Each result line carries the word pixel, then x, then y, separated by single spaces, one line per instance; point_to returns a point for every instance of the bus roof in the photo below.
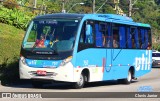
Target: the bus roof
pixel 60 15
pixel 101 17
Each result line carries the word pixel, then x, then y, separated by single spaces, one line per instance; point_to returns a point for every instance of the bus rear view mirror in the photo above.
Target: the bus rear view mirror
pixel 88 30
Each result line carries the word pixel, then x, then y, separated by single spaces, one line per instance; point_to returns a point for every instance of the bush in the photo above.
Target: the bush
pixel 9 73
pixel 11 4
pixel 158 48
pixel 15 17
pixel 10 44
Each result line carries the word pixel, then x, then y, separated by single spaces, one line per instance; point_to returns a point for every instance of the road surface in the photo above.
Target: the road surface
pixel 150 81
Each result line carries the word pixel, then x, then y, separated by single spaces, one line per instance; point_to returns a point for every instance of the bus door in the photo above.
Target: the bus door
pixel 108 49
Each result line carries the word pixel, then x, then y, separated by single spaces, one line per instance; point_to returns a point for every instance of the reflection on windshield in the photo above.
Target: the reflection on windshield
pixel 51 34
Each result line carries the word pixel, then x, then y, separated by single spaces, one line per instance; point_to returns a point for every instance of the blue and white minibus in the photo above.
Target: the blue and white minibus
pixel 80 48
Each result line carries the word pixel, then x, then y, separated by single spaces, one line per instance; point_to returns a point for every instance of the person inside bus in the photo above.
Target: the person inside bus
pixel 104 40
pixel 149 46
pixel 115 41
pixel 40 42
pixel 133 43
pixel 109 43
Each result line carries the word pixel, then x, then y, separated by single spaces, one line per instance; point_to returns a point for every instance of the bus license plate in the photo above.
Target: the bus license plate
pixel 41 73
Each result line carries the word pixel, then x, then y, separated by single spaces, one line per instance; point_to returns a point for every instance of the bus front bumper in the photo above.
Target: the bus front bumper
pixel 62 73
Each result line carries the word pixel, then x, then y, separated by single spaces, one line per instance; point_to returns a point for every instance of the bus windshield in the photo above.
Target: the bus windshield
pixel 51 34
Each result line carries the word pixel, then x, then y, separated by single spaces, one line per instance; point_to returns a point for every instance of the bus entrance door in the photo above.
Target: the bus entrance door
pixel 107 65
pixel 108 60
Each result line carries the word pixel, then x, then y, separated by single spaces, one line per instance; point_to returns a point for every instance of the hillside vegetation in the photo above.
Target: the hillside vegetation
pixel 10 42
pixel 148 11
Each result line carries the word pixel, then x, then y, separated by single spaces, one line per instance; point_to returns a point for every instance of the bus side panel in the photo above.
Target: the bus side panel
pixel 122 60
pixel 143 64
pixel 114 69
pixel 93 60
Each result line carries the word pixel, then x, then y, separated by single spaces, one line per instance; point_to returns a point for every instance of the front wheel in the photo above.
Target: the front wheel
pixel 126 80
pixel 80 83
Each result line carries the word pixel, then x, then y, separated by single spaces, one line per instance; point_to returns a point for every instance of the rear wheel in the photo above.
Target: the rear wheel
pixel 126 80
pixel 80 83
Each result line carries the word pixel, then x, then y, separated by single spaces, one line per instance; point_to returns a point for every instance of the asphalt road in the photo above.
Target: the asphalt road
pixel 150 81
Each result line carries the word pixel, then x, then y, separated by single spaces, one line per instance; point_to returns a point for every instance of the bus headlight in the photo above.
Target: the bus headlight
pixel 23 60
pixel 65 61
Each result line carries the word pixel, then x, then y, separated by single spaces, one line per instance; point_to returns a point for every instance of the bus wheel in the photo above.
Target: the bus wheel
pixel 37 84
pixel 126 80
pixel 80 83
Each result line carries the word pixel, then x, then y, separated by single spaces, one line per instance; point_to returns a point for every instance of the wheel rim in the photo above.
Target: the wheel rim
pixel 80 80
pixel 129 76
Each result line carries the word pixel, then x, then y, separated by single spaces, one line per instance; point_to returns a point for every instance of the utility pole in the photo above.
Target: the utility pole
pixel 42 7
pixel 130 8
pixel 63 4
pixel 93 6
pixel 35 4
pixel 116 2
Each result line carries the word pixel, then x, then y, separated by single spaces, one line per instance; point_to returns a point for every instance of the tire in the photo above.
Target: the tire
pixel 80 83
pixel 126 80
pixel 37 84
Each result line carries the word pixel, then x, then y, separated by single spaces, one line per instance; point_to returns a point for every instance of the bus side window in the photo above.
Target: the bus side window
pixel 139 38
pixel 100 31
pixel 89 34
pixel 129 38
pixel 99 36
pixel 115 36
pixel 147 39
pixel 115 40
pixel 135 40
pixel 149 46
pixel 122 35
pixel 86 39
pixel 109 36
pixel 142 38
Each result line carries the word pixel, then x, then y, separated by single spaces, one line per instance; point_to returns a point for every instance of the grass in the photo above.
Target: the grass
pixel 10 42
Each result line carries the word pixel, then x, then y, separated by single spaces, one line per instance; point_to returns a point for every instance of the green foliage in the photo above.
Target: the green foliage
pixel 156 46
pixel 11 4
pixel 53 7
pixel 149 12
pixel 10 42
pixel 15 17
